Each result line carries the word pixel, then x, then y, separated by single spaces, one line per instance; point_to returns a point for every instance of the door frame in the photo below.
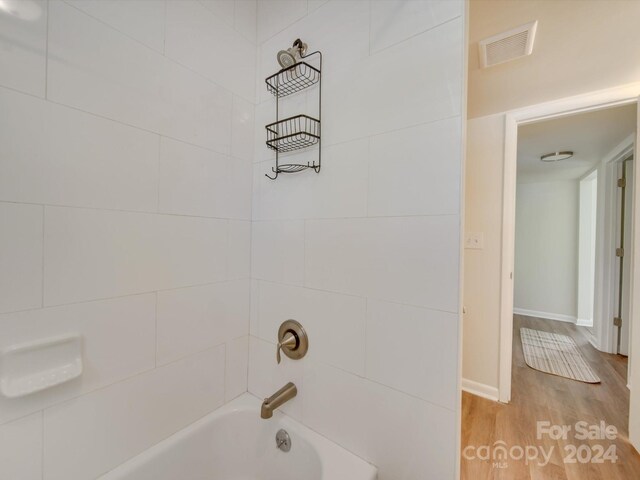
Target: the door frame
pixel 623 95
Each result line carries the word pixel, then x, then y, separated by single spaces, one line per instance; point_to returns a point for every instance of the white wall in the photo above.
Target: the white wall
pixel 366 254
pixel 546 249
pixel 125 186
pixel 494 91
pixel 587 235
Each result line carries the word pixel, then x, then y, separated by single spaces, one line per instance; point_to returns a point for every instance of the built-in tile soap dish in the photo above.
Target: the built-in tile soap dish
pixel 31 367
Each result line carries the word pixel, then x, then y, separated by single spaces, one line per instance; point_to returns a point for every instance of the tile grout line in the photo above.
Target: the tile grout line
pixel 46 54
pixel 42 257
pixel 127 295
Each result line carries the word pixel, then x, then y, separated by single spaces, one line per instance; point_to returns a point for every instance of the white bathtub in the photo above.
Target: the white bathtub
pixel 234 443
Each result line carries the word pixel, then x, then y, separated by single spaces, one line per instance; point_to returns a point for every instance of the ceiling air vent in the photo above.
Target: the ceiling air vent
pixel 516 43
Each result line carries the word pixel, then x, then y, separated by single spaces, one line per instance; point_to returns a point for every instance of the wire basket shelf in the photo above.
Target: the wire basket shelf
pixel 293 133
pixel 292 79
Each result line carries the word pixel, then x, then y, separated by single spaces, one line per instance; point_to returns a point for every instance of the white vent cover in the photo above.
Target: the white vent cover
pixel 515 43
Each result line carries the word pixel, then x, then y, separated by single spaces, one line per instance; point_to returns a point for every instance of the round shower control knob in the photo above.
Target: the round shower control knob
pixel 292 340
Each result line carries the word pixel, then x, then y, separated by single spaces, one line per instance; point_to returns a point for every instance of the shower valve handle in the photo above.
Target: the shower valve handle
pixel 288 342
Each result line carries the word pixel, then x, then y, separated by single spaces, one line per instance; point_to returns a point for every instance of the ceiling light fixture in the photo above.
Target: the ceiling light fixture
pixel 556 156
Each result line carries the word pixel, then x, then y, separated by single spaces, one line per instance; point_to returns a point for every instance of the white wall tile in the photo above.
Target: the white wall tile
pixel 335 323
pixel 404 436
pixel 359 101
pixel 347 104
pixel 56 155
pixel 197 181
pixel 411 260
pixel 425 72
pixel 193 319
pixel 239 188
pixel 124 324
pixel 223 10
pixel 237 368
pixel 266 377
pixel 313 4
pixel 393 21
pixel 253 321
pixel 246 18
pixel 197 39
pixel 239 250
pixel 142 20
pixel 242 129
pixel 416 171
pixel 96 432
pixel 277 251
pixel 113 76
pixel 20 256
pixel 23 47
pixel 339 190
pixel 99 254
pixel 193 180
pixel 21 449
pixel 276 15
pixel 413 350
pixel 339 29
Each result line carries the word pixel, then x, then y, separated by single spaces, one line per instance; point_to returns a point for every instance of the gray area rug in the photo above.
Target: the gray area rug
pixel 555 354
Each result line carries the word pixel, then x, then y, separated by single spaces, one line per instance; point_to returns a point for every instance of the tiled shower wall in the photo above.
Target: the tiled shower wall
pixel 366 254
pixel 126 149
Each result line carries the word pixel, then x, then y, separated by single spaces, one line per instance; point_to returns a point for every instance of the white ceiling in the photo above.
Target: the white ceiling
pixel 591 136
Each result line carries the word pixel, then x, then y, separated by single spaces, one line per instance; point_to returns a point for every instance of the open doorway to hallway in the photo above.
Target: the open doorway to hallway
pixel 573 238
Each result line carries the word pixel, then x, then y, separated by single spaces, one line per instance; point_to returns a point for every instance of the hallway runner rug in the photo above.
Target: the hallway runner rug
pixel 555 354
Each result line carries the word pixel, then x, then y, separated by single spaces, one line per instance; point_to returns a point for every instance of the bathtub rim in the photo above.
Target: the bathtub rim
pixel 342 459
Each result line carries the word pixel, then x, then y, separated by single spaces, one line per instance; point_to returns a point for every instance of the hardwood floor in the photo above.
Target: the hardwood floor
pixel 538 396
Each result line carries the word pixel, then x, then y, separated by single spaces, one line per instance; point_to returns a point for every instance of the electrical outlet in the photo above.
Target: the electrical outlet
pixel 474 241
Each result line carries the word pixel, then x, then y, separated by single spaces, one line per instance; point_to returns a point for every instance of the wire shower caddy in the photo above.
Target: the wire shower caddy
pixel 299 131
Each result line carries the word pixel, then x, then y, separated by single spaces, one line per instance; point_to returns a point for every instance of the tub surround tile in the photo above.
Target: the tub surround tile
pixel 128 323
pixel 131 83
pixel 237 368
pixel 360 421
pixel 90 435
pixel 386 258
pixel 56 155
pixel 245 18
pixel 424 177
pixel 21 448
pixel 23 48
pixel 198 39
pixel 275 15
pixel 408 19
pixel 21 259
pixel 239 250
pixel 335 323
pixel 413 350
pixel 193 319
pixel 142 20
pixel 277 251
pixel 100 254
pixel 422 94
pixel 196 181
pixel 242 129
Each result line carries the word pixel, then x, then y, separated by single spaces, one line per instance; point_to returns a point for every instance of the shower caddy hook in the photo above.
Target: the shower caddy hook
pixel 299 131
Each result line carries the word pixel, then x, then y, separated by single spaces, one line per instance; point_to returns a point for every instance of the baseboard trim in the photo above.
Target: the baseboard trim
pixel 584 322
pixel 480 389
pixel 546 315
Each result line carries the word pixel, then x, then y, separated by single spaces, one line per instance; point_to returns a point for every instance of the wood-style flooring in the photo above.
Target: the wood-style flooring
pixel 538 396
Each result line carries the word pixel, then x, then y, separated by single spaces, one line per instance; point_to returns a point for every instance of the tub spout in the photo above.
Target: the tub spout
pixel 283 395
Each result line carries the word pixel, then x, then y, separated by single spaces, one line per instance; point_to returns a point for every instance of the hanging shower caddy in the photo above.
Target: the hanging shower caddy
pixel 300 131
